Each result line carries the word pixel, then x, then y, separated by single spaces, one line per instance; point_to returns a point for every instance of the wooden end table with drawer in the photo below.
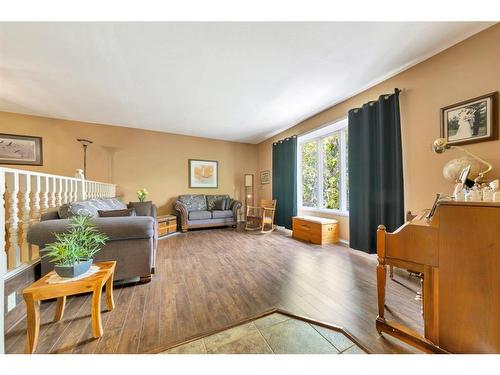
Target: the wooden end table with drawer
pixel 167 224
pixel 43 290
pixel 316 230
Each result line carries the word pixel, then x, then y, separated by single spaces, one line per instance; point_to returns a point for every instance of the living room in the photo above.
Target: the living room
pixel 252 187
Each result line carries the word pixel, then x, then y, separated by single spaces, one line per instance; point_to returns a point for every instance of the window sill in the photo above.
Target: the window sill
pixel 325 211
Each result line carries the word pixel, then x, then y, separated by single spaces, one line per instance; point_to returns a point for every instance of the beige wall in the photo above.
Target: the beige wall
pixel 134 158
pixel 466 70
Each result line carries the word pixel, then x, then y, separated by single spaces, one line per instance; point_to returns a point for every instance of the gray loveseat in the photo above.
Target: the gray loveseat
pixel 199 211
pixel 132 239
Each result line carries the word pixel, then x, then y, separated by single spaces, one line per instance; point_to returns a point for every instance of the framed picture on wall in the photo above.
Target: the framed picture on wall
pixel 265 177
pixel 20 150
pixel 471 121
pixel 203 173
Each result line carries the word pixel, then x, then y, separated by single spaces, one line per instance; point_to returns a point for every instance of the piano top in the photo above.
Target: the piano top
pixel 449 202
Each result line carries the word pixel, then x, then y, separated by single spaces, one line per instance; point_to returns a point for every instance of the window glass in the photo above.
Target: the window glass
pixel 346 183
pixel 309 174
pixel 331 171
pixel 323 168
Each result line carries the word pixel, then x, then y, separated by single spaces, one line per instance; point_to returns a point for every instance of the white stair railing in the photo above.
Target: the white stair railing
pixel 30 194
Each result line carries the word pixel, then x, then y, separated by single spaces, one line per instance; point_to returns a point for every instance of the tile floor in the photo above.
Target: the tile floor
pixel 272 334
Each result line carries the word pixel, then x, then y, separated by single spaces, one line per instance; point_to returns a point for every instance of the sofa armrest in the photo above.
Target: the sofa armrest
pixel 116 228
pixel 183 213
pixel 236 208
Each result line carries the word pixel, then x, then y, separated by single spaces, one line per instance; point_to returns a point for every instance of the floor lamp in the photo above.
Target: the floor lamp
pixel 249 200
pixel 85 143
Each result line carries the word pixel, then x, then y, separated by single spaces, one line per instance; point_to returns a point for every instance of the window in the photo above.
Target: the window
pixel 323 170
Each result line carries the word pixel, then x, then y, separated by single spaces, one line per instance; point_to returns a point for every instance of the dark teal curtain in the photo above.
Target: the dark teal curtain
pixel 376 193
pixel 285 180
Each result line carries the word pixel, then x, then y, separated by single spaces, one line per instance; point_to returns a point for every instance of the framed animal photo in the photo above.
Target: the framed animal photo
pixel 203 173
pixel 20 150
pixel 471 121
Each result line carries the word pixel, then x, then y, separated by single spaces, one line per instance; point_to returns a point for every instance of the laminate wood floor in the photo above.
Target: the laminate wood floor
pixel 207 280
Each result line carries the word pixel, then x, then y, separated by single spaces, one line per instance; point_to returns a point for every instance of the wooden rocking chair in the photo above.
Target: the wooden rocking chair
pixel 261 218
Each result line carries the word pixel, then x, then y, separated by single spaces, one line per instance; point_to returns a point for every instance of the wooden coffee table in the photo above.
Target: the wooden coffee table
pixel 41 290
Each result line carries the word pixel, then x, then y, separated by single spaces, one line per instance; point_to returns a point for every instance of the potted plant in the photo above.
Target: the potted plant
pixel 143 207
pixel 142 194
pixel 73 251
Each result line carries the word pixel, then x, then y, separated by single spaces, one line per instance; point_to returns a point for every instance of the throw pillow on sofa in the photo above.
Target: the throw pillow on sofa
pixel 117 213
pixel 211 199
pixel 220 204
pixel 141 208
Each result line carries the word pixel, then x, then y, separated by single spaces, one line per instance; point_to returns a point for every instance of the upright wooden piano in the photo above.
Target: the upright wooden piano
pixel 458 252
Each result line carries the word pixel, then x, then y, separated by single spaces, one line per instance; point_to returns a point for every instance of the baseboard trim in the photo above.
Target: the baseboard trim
pixel 343 242
pixel 16 271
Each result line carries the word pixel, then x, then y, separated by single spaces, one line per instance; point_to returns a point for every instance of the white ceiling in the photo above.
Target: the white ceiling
pixel 232 81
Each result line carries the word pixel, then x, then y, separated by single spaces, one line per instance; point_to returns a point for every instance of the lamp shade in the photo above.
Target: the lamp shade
pixel 248 180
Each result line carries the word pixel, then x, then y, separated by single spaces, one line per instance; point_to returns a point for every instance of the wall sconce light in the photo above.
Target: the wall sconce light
pixel 440 145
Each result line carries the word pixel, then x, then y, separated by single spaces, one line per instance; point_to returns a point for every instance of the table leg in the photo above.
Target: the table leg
pixel 96 312
pixel 33 320
pixel 61 304
pixel 110 303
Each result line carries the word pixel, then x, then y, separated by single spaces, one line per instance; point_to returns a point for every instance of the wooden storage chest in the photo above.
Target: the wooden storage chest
pixel 316 230
pixel 166 224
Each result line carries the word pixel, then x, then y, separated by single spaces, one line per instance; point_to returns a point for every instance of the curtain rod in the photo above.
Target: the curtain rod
pixel 285 139
pixel 386 96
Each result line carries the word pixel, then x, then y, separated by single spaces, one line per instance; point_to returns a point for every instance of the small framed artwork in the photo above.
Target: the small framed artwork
pixel 471 121
pixel 203 173
pixel 265 177
pixel 20 150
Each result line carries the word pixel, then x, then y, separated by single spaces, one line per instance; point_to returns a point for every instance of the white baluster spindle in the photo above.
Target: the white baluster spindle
pixel 58 191
pixel 45 187
pixel 65 188
pixel 52 192
pixel 25 189
pixel 14 251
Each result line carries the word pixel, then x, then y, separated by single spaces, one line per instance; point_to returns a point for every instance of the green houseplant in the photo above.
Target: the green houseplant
pixel 142 194
pixel 73 251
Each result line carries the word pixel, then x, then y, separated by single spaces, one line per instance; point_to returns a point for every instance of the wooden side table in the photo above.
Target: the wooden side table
pixel 167 224
pixel 41 290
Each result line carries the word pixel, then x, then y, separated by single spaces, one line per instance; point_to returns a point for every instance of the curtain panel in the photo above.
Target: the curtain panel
pixel 285 180
pixel 376 191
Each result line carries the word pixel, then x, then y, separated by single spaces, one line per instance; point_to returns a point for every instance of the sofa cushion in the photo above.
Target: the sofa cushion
pixel 117 213
pixel 212 199
pixel 141 208
pixel 222 214
pixel 219 205
pixel 116 228
pixel 83 208
pixel 90 207
pixel 63 211
pixel 199 215
pixel 112 203
pixel 194 202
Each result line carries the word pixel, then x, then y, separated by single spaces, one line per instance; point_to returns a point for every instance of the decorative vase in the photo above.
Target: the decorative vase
pixel 74 270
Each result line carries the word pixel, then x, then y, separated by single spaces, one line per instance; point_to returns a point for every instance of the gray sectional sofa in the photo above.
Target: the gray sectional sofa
pixel 199 211
pixel 132 239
